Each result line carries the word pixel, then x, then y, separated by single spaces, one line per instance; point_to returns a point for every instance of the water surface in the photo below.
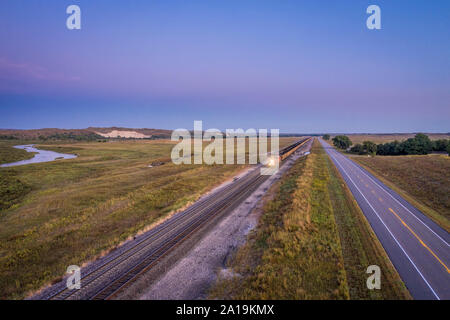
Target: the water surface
pixel 40 156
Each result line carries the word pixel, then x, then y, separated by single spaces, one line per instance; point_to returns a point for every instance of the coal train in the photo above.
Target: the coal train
pixel 286 152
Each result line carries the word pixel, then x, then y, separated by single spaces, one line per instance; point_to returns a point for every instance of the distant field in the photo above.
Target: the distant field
pixel 67 212
pixel 88 134
pixel 312 242
pixel 425 179
pixel 383 138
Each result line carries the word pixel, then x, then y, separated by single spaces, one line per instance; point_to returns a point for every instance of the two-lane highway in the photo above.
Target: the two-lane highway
pixel 418 247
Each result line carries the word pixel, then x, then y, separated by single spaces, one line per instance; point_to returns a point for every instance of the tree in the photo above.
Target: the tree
pixel 369 147
pixel 448 149
pixel 326 137
pixel 357 148
pixel 390 148
pixel 342 142
pixel 424 143
pixel 440 145
pixel 420 144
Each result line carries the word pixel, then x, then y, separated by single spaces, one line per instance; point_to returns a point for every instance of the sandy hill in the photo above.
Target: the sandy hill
pixel 115 132
pixel 84 134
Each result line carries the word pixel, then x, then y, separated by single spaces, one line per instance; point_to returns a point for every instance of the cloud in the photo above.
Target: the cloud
pixel 14 74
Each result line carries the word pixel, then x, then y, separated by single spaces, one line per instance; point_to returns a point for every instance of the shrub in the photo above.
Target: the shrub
pixel 420 144
pixel 357 148
pixel 342 142
pixel 369 147
pixel 441 145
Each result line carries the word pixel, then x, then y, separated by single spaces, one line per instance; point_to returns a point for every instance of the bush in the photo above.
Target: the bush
pixel 390 148
pixel 11 189
pixel 6 137
pixel 441 145
pixel 357 148
pixel 420 144
pixel 369 147
pixel 342 142
pixel 72 136
pixel 326 137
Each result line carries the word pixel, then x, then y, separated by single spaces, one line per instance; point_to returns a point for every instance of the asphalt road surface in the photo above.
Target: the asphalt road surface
pixel 418 247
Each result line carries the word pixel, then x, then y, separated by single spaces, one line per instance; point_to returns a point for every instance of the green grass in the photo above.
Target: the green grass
pixel 12 190
pixel 312 242
pixel 360 246
pixel 422 180
pixel 295 252
pixel 9 154
pixel 66 212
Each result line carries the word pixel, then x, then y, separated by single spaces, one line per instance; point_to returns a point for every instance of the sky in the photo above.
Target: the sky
pixel 298 66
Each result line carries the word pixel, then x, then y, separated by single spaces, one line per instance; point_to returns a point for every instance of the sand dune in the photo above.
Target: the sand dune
pixel 123 134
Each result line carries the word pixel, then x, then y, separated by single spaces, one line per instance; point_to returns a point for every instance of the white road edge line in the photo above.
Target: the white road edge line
pixel 387 228
pixel 396 200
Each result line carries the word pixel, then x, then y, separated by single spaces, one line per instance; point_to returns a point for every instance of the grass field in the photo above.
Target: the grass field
pixel 12 190
pixel 66 212
pixel 383 138
pixel 422 180
pixel 9 154
pixel 312 242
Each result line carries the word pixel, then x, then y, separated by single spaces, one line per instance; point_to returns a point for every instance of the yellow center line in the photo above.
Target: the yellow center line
pixel 373 191
pixel 420 240
pixel 381 200
pixel 367 185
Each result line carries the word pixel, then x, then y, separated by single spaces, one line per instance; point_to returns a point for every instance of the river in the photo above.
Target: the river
pixel 40 156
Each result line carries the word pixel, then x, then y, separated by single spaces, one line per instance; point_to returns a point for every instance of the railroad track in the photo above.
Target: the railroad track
pixel 105 278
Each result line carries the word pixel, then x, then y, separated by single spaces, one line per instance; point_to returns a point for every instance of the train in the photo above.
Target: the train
pixel 286 152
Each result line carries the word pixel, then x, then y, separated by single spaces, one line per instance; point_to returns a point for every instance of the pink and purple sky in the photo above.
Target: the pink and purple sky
pixel 300 66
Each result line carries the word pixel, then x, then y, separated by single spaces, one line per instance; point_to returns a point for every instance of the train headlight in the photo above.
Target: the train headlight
pixel 271 162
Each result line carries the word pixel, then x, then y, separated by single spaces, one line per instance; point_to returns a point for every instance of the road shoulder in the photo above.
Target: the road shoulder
pixel 312 242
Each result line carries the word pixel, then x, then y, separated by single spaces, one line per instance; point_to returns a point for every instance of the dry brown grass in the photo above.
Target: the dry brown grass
pixel 69 212
pixel 383 138
pixel 423 180
pixel 360 246
pixel 312 242
pixel 296 244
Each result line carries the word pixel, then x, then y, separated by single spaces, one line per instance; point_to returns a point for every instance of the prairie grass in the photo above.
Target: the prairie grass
pixel 422 180
pixel 295 252
pixel 9 154
pixel 12 190
pixel 312 242
pixel 360 246
pixel 383 138
pixel 66 212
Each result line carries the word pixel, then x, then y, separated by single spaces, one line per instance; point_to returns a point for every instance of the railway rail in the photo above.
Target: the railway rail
pixel 106 277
